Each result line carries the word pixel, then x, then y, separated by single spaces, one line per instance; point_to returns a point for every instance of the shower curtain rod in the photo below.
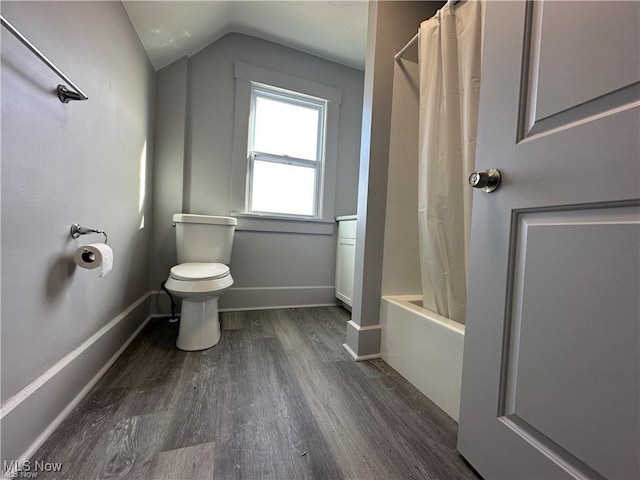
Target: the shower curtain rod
pixel 398 56
pixel 64 94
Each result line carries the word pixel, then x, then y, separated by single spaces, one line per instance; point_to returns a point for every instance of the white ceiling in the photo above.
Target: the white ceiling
pixel 331 29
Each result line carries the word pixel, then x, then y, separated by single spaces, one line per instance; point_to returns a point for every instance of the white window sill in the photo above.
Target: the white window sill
pixel 253 222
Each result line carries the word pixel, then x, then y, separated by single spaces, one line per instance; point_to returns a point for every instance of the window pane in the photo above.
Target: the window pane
pixel 283 128
pixel 282 188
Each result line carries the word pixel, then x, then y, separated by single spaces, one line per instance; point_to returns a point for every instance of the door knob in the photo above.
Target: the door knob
pixel 488 181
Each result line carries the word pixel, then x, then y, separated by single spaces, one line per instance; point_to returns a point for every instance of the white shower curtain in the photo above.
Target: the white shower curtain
pixel 449 56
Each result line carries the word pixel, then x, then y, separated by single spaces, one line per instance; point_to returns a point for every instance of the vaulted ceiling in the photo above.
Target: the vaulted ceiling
pixel 169 30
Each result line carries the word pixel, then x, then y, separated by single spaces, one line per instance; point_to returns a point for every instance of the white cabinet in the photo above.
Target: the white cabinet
pixel 345 258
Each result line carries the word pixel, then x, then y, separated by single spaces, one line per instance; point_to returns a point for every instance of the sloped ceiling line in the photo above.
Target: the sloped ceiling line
pixel 169 30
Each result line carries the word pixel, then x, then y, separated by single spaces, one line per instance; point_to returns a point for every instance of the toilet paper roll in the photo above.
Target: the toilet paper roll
pixel 95 255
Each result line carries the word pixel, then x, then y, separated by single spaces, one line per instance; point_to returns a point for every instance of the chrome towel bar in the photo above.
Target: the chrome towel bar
pixel 64 94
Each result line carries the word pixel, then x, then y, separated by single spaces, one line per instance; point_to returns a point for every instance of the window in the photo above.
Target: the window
pixel 286 152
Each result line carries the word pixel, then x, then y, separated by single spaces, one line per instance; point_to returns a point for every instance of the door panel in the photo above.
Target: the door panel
pixel 571 50
pixel 551 364
pixel 563 301
pixel 566 60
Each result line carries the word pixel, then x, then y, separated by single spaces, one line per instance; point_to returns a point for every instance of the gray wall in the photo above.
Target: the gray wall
pixel 62 164
pixel 168 170
pixel 391 25
pixel 260 260
pixel 401 259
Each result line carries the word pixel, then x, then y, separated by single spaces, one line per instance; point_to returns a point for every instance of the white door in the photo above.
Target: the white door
pixel 551 362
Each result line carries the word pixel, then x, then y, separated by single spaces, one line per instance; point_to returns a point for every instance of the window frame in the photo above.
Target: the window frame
pixel 294 98
pixel 245 74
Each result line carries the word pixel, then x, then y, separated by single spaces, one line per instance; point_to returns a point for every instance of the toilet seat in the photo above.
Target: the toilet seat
pixel 199 271
pixel 199 279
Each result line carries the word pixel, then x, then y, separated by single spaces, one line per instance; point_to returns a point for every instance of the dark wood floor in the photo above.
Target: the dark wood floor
pixel 277 398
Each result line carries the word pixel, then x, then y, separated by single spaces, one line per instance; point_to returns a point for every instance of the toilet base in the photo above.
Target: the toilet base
pixel 199 325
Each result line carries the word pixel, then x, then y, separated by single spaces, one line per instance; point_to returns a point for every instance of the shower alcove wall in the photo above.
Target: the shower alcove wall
pixel 422 346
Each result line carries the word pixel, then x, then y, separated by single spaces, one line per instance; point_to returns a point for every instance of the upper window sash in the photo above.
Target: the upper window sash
pixel 293 98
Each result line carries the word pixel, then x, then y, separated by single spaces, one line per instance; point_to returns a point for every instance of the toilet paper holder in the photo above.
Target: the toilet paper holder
pixel 77 230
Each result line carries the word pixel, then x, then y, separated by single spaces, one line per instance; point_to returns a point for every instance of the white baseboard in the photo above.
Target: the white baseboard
pixel 359 358
pixel 258 298
pixel 275 307
pixel 363 342
pixel 30 416
pixel 262 298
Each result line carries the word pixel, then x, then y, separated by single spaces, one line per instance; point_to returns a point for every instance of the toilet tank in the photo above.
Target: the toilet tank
pixel 204 238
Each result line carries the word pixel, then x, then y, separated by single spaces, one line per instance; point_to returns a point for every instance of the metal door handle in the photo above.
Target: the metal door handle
pixel 488 181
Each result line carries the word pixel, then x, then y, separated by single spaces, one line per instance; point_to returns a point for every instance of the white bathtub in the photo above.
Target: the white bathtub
pixel 425 348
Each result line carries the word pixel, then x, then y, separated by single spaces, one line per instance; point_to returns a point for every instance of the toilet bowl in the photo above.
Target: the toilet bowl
pixel 199 285
pixel 204 248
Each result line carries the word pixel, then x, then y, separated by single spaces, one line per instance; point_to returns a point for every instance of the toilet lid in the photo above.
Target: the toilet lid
pixel 199 271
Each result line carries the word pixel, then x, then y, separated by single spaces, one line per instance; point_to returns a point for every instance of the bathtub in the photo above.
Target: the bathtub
pixel 425 348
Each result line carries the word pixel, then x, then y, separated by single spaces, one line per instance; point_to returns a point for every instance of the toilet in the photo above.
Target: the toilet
pixel 204 250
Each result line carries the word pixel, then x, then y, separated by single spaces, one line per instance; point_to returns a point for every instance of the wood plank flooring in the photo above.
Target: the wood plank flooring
pixel 278 398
